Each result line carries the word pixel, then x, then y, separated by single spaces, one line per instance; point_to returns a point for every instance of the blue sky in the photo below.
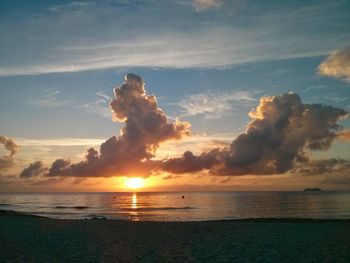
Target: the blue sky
pixel 207 61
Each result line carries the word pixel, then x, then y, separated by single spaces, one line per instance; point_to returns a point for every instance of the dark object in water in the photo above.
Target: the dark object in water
pixel 312 189
pixel 98 218
pixel 183 197
pixel 75 207
pixel 114 197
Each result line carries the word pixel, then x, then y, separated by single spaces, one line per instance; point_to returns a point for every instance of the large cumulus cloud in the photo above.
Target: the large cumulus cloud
pixel 279 138
pixel 7 160
pixel 282 132
pixel 146 126
pixel 337 65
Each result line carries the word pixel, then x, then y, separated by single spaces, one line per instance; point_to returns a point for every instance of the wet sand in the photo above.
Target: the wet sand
pixel 27 238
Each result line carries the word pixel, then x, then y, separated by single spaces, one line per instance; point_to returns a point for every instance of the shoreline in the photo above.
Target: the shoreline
pixel 30 238
pixel 252 220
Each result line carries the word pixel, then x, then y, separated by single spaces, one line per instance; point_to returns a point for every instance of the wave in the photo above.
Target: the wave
pixel 70 207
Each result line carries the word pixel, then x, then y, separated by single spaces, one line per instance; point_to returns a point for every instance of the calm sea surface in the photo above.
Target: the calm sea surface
pixel 182 206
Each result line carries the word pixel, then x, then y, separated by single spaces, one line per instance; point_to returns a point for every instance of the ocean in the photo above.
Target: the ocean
pixel 181 206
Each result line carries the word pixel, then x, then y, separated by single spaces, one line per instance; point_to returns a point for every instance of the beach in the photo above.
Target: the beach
pixel 28 238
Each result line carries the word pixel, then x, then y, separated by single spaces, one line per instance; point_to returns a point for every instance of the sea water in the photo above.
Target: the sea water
pixel 182 206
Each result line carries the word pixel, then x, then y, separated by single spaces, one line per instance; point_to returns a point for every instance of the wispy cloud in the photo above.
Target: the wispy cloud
pixel 214 104
pixel 71 6
pixel 47 43
pixel 59 142
pixel 202 5
pixel 45 98
pixel 225 7
pixel 99 107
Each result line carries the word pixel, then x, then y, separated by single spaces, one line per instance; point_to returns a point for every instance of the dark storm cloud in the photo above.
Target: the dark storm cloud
pixel 7 160
pixel 281 133
pixel 34 169
pixel 337 65
pixel 146 126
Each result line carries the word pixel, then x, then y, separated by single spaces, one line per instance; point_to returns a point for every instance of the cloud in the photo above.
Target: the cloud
pixel 59 142
pixel 198 143
pixel 7 160
pixel 146 126
pixel 344 135
pixel 318 167
pixel 9 144
pixel 213 104
pixel 281 133
pixel 71 6
pixel 279 138
pixel 337 65
pixel 230 8
pixel 190 163
pixel 99 106
pixel 203 5
pixel 341 180
pixel 45 98
pixel 34 169
pixel 47 42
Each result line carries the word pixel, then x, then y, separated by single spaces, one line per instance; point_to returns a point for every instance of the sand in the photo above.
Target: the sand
pixel 27 238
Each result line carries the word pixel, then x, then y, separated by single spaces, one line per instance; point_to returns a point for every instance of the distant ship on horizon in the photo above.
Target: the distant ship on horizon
pixel 312 189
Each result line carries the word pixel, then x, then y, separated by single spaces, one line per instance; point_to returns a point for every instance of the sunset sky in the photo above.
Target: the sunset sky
pixel 239 89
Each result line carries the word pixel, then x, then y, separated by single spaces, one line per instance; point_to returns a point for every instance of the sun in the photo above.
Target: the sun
pixel 135 182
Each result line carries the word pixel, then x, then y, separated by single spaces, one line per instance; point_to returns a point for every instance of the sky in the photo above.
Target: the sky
pixel 227 95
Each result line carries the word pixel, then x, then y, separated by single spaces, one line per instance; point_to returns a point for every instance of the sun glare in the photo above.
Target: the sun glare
pixel 135 182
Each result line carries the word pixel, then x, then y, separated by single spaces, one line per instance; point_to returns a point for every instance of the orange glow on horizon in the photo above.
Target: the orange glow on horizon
pixel 134 182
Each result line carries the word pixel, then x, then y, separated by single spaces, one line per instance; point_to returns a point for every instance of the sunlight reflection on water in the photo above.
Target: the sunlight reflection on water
pixel 134 214
pixel 172 207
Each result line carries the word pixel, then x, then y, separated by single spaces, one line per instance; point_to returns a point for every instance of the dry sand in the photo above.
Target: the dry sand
pixel 26 238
